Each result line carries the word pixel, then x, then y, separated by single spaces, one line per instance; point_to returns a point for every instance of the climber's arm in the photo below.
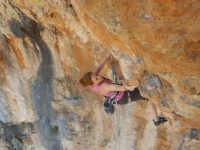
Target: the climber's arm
pixel 115 87
pixel 112 87
pixel 102 63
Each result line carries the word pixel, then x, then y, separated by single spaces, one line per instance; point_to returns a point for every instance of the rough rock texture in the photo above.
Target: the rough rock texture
pixel 47 45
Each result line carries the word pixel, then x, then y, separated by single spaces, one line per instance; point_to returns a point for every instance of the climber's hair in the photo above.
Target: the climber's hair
pixel 86 80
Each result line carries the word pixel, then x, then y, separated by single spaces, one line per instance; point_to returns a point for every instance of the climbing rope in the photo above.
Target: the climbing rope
pixel 115 80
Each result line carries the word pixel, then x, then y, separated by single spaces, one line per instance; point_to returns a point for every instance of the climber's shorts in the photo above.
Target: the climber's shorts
pixel 134 96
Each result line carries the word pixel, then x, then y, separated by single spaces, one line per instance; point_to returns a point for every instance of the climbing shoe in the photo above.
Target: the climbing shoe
pixel 160 120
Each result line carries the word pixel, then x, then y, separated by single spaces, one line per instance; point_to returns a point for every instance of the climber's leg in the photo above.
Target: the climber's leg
pixel 156 119
pixel 154 111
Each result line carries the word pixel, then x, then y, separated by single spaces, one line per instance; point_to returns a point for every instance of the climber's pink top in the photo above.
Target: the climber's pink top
pixel 96 89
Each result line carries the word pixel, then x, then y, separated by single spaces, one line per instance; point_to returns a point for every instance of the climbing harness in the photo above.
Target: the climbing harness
pixel 108 104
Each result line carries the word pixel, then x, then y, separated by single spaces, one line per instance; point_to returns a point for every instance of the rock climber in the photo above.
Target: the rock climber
pixel 114 93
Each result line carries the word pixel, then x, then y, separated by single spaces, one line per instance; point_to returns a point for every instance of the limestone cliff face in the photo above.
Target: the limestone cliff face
pixel 47 45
